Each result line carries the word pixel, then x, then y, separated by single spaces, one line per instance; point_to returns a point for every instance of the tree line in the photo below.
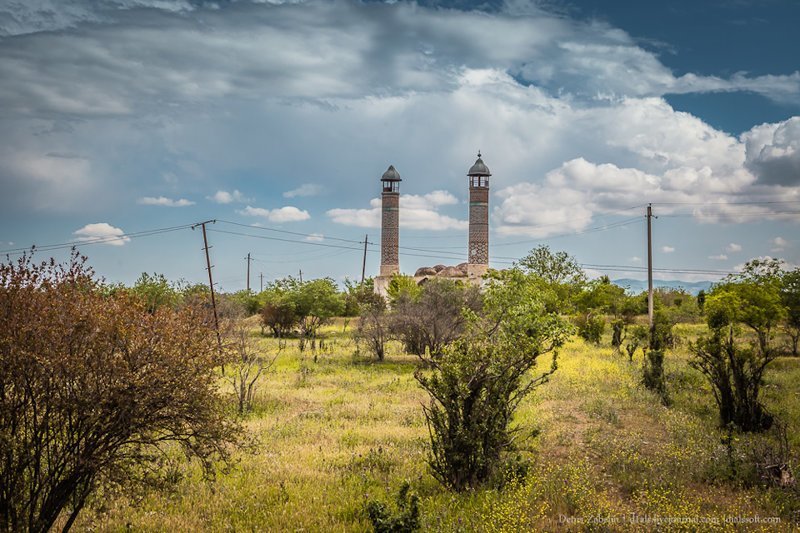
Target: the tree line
pixel 95 379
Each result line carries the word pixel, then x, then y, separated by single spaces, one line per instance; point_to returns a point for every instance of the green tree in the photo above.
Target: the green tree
pixel 701 301
pixel 356 295
pixel 402 288
pixel 155 291
pixel 733 366
pixel 279 313
pixel 602 296
pixel 315 302
pixel 560 271
pixel 250 302
pixel 790 296
pixel 478 381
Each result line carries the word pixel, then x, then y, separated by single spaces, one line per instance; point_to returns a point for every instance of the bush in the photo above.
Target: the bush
pixel 434 317
pixel 479 380
pixel 405 520
pixel 618 330
pixel 736 370
pixel 735 374
pixel 373 327
pixel 661 337
pixel 91 387
pixel 590 327
pixel 636 338
pixel 244 361
pixel 279 315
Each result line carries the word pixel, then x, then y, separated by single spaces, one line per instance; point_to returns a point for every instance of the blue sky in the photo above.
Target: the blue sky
pixel 277 119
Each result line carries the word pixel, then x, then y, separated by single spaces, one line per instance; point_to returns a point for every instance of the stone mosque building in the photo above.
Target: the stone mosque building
pixel 477 249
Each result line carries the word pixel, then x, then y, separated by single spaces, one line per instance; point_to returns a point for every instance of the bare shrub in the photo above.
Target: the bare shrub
pixel 92 385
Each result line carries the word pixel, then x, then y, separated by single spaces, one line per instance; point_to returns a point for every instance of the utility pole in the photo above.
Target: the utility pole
pixel 261 275
pixel 650 263
pixel 210 280
pixel 248 271
pixel 364 262
pixel 301 275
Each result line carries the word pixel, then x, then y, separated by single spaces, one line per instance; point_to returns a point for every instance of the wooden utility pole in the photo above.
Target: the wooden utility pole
pixel 301 275
pixel 364 262
pixel 650 264
pixel 210 280
pixel 248 271
pixel 261 275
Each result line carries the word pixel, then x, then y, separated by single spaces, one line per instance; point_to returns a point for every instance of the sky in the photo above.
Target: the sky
pixel 125 122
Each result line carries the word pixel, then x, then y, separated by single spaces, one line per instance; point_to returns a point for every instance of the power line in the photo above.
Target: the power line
pixel 301 234
pixel 308 243
pixel 766 202
pixel 734 214
pixel 595 229
pixel 97 240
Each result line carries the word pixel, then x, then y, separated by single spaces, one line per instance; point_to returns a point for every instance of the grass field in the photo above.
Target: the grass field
pixel 338 431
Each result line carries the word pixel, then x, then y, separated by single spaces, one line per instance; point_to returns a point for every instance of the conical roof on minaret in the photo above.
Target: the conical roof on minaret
pixel 391 174
pixel 479 168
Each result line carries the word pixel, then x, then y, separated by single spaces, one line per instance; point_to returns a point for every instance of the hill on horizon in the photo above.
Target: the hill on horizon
pixel 636 286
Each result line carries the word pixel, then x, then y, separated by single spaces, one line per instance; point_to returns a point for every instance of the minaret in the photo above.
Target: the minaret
pixel 390 220
pixel 478 253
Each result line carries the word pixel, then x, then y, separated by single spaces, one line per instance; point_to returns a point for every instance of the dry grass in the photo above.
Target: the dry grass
pixel 336 432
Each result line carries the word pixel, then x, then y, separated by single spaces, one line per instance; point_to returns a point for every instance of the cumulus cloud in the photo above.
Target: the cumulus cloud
pixel 416 212
pixel 719 257
pixel 733 248
pixel 571 114
pixel 667 249
pixel 306 189
pixel 320 50
pixel 287 213
pixel 315 237
pixel 225 197
pixel 773 152
pixel 164 201
pixel 101 233
pixel 779 244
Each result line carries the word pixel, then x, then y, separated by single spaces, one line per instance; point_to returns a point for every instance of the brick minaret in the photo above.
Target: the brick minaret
pixel 478 256
pixel 390 221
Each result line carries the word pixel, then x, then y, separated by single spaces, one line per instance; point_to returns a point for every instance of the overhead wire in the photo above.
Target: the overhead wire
pixel 97 240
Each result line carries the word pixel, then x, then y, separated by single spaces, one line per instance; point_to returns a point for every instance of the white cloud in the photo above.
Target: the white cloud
pixel 306 189
pixel 779 244
pixel 225 197
pixel 636 259
pixel 587 135
pixel 361 218
pixel 315 237
pixel 164 201
pixel 667 249
pixel 102 232
pixel 773 152
pixel 416 212
pixel 287 213
pixel 733 248
pixel 720 257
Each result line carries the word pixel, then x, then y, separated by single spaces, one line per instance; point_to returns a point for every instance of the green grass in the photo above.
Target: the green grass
pixel 335 433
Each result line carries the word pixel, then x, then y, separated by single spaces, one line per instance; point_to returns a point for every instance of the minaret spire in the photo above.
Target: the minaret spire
pixel 478 250
pixel 390 222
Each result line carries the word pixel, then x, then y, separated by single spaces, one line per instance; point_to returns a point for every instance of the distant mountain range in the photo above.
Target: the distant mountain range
pixel 635 286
